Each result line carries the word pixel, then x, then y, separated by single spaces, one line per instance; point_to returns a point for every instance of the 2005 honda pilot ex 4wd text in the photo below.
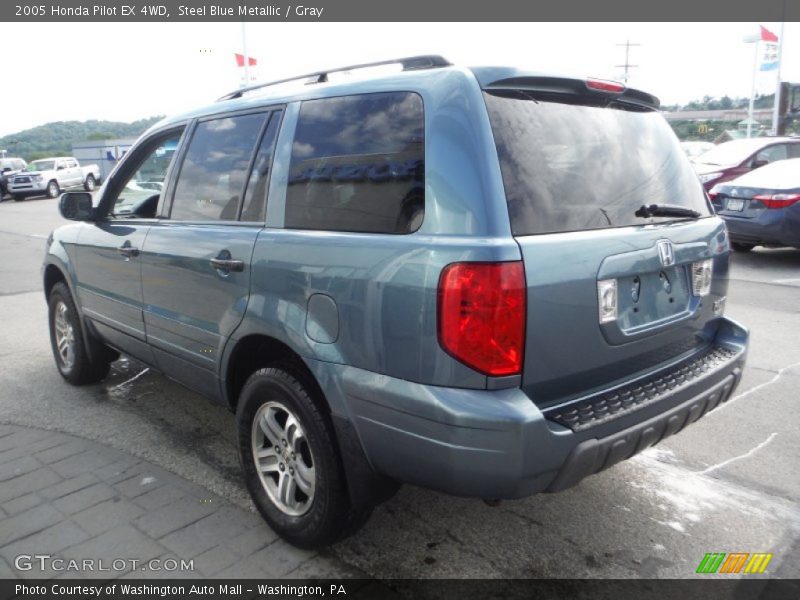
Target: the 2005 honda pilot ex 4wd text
pixel 484 281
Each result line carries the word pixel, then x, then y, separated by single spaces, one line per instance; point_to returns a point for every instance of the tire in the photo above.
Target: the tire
pixel 90 183
pixel 317 511
pixel 67 341
pixel 52 189
pixel 739 247
pixel 19 198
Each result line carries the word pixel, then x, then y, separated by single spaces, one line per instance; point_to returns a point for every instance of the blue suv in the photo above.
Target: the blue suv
pixel 489 282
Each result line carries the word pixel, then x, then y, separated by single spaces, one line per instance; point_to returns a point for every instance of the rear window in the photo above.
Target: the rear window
pixel 573 167
pixel 358 164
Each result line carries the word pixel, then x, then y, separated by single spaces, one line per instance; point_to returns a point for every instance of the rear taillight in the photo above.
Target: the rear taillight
pixel 482 315
pixel 778 200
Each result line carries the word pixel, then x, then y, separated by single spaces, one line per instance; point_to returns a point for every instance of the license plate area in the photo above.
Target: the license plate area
pixel 735 204
pixel 652 298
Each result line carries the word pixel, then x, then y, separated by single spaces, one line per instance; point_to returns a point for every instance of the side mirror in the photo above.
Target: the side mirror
pixel 759 163
pixel 76 206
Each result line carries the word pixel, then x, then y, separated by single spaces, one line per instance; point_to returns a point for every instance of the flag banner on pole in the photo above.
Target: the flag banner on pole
pixel 769 55
pixel 767 35
pixel 251 62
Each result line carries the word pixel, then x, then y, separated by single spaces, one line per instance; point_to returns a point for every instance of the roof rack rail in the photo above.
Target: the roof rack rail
pixel 411 63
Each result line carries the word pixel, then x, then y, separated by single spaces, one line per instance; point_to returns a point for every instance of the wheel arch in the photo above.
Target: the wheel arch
pixel 52 275
pixel 365 486
pixel 55 273
pixel 255 351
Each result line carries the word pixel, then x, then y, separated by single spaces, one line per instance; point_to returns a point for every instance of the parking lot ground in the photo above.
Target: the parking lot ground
pixel 73 500
pixel 728 483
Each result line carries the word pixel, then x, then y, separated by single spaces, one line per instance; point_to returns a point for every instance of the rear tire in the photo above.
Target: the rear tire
pixel 739 247
pixel 285 435
pixel 53 189
pixel 67 341
pixel 89 184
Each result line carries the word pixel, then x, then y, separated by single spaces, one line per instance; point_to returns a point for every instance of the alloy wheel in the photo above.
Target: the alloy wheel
pixel 283 458
pixel 65 335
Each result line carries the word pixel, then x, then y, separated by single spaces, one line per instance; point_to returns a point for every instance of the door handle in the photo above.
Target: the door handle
pixel 227 264
pixel 128 251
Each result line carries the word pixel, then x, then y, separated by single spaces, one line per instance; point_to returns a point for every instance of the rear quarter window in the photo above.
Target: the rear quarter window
pixel 573 166
pixel 358 164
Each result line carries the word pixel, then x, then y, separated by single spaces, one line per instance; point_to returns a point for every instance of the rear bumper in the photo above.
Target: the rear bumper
pixel 775 227
pixel 498 443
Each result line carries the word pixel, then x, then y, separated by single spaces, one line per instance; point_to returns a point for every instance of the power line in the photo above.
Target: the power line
pixel 628 45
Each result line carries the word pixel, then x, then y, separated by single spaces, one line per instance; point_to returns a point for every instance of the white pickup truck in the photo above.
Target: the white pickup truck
pixel 49 176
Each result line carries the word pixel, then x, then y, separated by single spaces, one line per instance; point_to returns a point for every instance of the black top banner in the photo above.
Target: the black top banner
pixel 405 10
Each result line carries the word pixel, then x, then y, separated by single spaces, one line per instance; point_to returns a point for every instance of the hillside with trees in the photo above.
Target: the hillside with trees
pixel 710 130
pixel 52 139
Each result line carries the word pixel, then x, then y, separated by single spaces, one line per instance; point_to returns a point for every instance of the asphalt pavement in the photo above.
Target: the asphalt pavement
pixel 728 483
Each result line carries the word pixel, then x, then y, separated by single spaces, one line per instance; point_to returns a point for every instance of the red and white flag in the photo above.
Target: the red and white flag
pixel 769 58
pixel 251 62
pixel 767 35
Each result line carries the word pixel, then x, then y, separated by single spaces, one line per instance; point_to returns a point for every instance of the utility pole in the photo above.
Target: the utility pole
pixel 627 64
pixel 246 58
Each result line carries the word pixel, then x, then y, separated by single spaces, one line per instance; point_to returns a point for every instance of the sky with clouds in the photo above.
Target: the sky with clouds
pixel 128 71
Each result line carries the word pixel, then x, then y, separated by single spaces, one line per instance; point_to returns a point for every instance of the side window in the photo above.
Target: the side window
pixel 358 164
pixel 255 199
pixel 773 153
pixel 212 176
pixel 71 164
pixel 140 194
pixel 793 150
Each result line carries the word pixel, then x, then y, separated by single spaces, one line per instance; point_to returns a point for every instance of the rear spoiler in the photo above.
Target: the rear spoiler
pixel 502 78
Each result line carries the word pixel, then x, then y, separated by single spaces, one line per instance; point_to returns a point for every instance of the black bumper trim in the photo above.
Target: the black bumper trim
pixel 586 413
pixel 594 455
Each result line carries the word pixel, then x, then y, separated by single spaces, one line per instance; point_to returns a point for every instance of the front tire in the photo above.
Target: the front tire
pixel 67 341
pixel 291 462
pixel 19 198
pixel 53 189
pixel 89 184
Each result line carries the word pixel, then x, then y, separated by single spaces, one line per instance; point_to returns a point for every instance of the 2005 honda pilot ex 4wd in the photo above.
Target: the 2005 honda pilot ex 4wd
pixel 484 281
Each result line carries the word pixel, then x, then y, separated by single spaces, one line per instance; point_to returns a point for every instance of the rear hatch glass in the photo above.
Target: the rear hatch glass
pixel 588 165
pixel 576 170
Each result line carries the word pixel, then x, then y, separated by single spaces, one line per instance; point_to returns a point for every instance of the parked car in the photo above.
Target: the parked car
pixel 731 159
pixel 8 168
pixel 761 208
pixel 694 149
pixel 455 278
pixel 49 176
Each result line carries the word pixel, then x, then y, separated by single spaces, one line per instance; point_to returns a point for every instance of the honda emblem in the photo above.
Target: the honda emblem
pixel 666 253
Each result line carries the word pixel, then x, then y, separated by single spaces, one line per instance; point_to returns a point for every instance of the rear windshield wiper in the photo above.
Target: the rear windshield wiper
pixel 666 210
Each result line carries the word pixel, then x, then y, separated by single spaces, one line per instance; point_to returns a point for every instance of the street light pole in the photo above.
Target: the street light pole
pixel 752 40
pixel 246 58
pixel 776 106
